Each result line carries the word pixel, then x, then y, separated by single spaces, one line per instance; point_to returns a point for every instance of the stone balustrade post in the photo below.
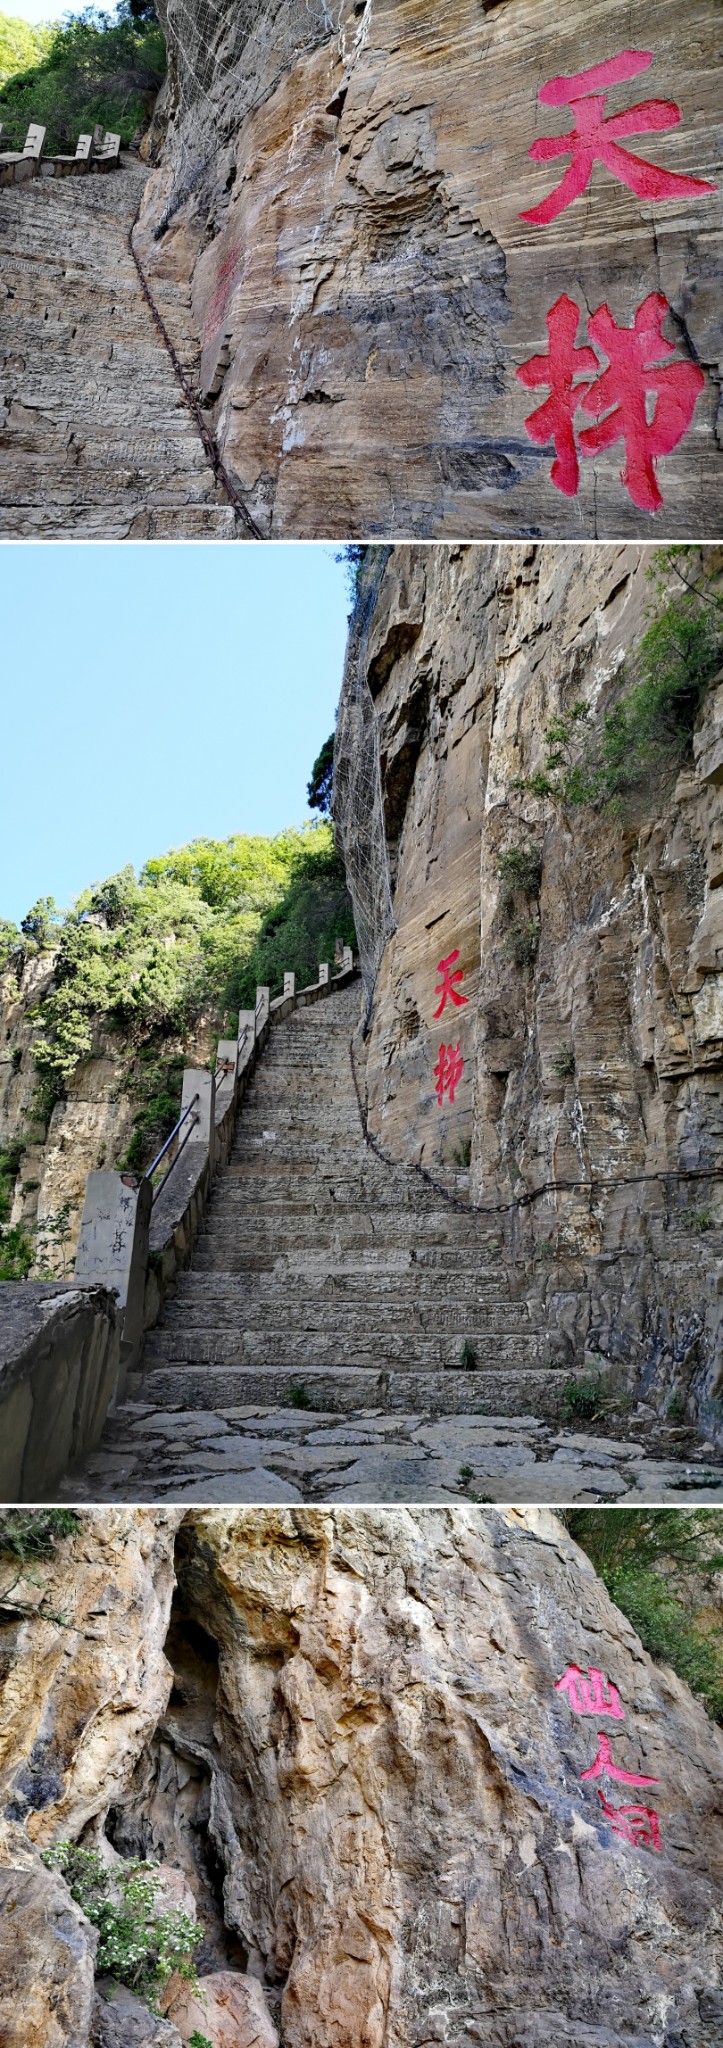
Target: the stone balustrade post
pixel 227 1053
pixel 263 1006
pixel 113 1253
pixel 34 141
pixel 347 960
pixel 198 1082
pixel 323 972
pixel 289 985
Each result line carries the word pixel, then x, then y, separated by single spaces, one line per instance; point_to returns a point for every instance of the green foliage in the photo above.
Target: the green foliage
pixel 196 2040
pixel 28 1533
pixel 563 1064
pixel 160 1084
pixel 698 1220
pixel 94 68
pixel 137 1945
pixel 581 1398
pixel 319 788
pixel 467 1357
pixel 39 930
pixel 192 936
pixel 299 1397
pixel 462 1154
pixel 20 45
pixel 16 1250
pixel 519 868
pixel 656 1564
pixel 522 941
pixel 645 736
pixel 10 940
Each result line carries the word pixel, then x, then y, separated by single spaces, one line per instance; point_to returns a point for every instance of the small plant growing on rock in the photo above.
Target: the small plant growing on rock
pixel 519 867
pixel 462 1154
pixel 698 1220
pixel 137 1945
pixel 196 2040
pixel 522 941
pixel 300 1397
pixel 27 1533
pixel 581 1399
pixel 466 1473
pixel 563 1064
pixel 467 1357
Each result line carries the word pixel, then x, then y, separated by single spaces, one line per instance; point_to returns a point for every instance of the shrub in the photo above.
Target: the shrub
pixel 698 1220
pixel 581 1399
pixel 656 1563
pixel 319 788
pixel 467 1358
pixel 94 69
pixel 462 1154
pixel 519 867
pixel 563 1064
pixel 33 1532
pixel 522 941
pixel 138 1946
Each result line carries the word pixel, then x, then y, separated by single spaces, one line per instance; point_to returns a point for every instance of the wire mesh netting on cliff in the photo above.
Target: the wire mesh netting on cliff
pixel 358 803
pixel 207 41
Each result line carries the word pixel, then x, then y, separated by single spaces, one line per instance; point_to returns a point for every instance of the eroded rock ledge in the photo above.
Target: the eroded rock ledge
pixel 341 1734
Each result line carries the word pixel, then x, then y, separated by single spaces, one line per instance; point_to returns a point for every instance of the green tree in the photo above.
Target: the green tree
pixel 657 1564
pixel 21 45
pixel 319 788
pixel 94 68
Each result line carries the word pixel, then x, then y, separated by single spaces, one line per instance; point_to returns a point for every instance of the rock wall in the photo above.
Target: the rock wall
pixel 355 1757
pixel 343 187
pixel 597 1057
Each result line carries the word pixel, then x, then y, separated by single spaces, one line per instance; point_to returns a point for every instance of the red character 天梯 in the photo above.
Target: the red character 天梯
pixel 446 987
pixel 604 1766
pixel 591 1695
pixel 618 396
pixel 596 137
pixel 638 1825
pixel 448 1072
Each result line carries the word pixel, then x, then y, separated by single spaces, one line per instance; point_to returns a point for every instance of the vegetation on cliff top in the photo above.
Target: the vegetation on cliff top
pixel 658 1565
pixel 190 939
pixel 645 736
pixel 93 67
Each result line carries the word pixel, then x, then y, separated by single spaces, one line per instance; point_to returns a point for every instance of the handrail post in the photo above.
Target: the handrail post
pixel 113 1253
pixel 198 1081
pixel 323 973
pixel 289 985
pixel 263 1005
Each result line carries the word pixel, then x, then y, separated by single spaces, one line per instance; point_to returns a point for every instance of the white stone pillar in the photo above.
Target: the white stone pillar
pixel 113 1253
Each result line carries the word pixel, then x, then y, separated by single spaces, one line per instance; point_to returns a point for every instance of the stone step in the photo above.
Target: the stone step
pixel 225 1386
pixel 293 1348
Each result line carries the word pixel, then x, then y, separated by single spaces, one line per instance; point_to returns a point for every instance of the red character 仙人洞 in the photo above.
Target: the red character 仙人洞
pixel 591 1695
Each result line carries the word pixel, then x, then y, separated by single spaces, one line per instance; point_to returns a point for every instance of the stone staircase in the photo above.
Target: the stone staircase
pixel 312 1349
pixel 95 441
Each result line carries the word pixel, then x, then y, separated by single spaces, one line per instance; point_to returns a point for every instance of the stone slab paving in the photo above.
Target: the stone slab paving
pixel 291 1455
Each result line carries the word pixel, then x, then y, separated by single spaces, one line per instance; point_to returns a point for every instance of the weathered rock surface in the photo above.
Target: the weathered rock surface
pixel 122 2021
pixel 46 1962
pixel 342 188
pixel 370 1778
pixel 95 441
pixel 598 1058
pixel 230 2009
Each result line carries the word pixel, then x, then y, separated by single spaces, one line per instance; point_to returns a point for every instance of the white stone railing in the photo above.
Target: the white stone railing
pixel 99 151
pixel 67 1347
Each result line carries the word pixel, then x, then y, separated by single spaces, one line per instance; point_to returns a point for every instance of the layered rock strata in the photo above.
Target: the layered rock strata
pixel 356 1758
pixel 343 188
pixel 588 1003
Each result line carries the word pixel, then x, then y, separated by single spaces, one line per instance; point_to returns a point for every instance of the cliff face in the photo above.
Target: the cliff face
pixel 589 1005
pixel 343 189
pixel 354 1757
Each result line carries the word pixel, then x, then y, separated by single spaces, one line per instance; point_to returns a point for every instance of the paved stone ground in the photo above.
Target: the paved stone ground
pixel 95 441
pixel 312 1351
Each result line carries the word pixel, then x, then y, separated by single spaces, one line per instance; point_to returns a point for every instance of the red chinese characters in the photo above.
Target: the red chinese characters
pixel 595 137
pixel 591 1695
pixel 446 987
pixel 636 380
pixel 638 1825
pixel 604 1765
pixel 448 1072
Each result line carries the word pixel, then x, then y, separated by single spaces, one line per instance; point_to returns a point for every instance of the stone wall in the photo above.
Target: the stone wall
pixel 59 1362
pixel 597 1059
pixel 342 188
pixel 343 1739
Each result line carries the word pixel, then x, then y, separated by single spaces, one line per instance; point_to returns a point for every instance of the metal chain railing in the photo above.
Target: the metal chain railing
pixel 522 1201
pixel 210 446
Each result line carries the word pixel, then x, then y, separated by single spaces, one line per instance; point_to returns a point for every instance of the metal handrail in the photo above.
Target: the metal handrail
pixel 148 1175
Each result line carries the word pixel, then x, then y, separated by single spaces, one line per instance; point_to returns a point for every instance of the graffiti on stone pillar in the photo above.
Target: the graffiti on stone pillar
pixel 596 1695
pixel 630 387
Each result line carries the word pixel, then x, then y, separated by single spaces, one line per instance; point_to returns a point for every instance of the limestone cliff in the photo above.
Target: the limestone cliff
pixel 345 1739
pixel 587 946
pixel 344 188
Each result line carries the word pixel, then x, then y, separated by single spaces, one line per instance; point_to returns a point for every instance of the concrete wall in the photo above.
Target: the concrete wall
pixel 59 1359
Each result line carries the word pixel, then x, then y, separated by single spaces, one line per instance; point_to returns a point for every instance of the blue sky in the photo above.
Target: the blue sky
pixel 46 10
pixel 150 694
